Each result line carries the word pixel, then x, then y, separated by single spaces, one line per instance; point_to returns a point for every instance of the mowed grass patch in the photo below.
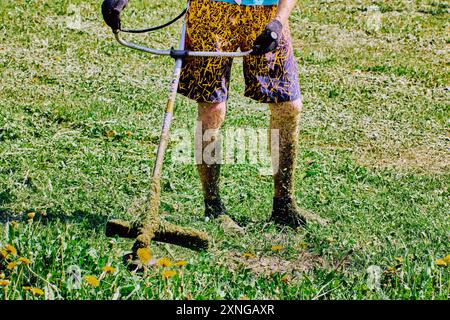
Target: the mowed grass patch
pixel 79 123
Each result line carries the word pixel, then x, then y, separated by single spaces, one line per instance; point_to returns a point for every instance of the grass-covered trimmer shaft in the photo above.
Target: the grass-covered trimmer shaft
pixel 152 227
pixel 166 232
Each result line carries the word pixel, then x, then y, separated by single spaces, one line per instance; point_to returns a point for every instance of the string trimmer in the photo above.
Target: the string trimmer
pixel 152 227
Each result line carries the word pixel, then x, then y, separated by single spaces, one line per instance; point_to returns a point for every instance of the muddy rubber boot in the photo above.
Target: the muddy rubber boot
pixel 286 213
pixel 214 208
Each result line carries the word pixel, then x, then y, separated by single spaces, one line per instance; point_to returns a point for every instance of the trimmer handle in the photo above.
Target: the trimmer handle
pixel 111 10
pixel 181 53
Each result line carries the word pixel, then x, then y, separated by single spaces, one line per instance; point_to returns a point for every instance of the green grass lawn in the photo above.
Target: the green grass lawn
pixel 79 124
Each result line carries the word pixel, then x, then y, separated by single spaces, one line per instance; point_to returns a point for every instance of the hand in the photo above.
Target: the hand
pixel 268 40
pixel 111 10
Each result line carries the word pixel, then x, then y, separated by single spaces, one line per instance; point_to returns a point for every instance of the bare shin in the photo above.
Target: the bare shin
pixel 210 119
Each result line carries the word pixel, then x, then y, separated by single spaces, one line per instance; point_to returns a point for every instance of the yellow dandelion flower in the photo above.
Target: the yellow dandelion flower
pixel 390 271
pixel 440 262
pixel 168 273
pixel 399 259
pixel 14 224
pixel 302 245
pixel 2 276
pixel 164 262
pixel 244 298
pixel 37 291
pixel 92 281
pixel 180 263
pixel 329 239
pixel 4 283
pixel 11 265
pixel 277 248
pixel 10 249
pixel 111 133
pixel 109 269
pixel 24 260
pixel 31 215
pixel 248 255
pixel 4 254
pixel 447 260
pixel 144 255
pixel 285 279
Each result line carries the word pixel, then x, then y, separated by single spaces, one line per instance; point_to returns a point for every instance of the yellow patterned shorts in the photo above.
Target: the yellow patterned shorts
pixel 220 26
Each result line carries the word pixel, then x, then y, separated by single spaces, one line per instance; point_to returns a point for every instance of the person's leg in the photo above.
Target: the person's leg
pixel 210 119
pixel 206 81
pixel 285 118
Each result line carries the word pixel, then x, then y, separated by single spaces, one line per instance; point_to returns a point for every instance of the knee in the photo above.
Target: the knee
pixel 211 114
pixel 287 109
pixel 211 108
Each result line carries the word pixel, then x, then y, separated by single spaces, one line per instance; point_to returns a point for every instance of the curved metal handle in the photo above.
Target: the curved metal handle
pixel 188 53
pixel 140 48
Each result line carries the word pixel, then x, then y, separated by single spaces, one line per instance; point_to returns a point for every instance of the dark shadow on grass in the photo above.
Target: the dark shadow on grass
pixel 6 215
pixel 84 219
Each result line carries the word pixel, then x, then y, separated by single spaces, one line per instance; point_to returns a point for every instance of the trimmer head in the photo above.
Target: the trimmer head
pixel 166 232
